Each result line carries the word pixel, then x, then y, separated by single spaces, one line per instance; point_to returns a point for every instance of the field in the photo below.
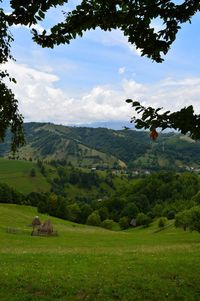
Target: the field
pixel 86 263
pixel 17 175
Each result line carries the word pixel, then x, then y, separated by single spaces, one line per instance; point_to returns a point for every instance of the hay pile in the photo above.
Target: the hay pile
pixel 45 229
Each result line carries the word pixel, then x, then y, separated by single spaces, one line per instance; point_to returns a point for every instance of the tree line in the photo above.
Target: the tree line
pixel 164 194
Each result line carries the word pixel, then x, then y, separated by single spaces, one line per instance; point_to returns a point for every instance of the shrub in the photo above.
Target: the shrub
pixel 182 219
pixel 150 214
pixel 124 222
pixel 189 218
pixel 157 210
pixel 32 173
pixel 73 212
pixel 130 210
pixel 143 220
pixel 194 215
pixel 196 198
pixel 170 214
pixel 161 222
pixel 108 224
pixel 94 219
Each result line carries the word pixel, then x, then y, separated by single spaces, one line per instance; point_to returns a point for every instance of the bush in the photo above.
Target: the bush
pixel 194 215
pixel 170 214
pixel 196 198
pixel 94 219
pixel 150 214
pixel 143 220
pixel 32 173
pixel 182 219
pixel 157 210
pixel 74 212
pixel 108 224
pixel 124 222
pixel 189 219
pixel 130 210
pixel 161 222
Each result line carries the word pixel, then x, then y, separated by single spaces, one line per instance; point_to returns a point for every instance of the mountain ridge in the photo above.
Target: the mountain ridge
pixel 106 148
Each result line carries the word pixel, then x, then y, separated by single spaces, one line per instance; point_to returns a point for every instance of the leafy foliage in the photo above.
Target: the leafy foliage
pixel 161 194
pixel 9 115
pixel 94 219
pixel 189 218
pixel 32 173
pixel 143 220
pixel 124 223
pixel 133 18
pixel 108 224
pixel 10 195
pixel 162 222
pixel 185 120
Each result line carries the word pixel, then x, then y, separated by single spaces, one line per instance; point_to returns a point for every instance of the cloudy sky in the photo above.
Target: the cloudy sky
pixel 89 80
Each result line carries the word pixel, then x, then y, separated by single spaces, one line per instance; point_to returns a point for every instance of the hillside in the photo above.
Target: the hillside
pixel 106 148
pixel 135 265
pixel 95 197
pixel 17 174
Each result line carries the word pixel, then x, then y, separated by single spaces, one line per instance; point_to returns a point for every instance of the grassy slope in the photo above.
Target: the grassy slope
pixel 85 263
pixel 17 174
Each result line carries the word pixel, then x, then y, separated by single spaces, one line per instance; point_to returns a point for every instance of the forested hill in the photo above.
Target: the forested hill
pixel 92 147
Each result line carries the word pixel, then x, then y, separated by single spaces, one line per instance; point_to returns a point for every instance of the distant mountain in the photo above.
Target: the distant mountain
pixel 114 125
pixel 92 147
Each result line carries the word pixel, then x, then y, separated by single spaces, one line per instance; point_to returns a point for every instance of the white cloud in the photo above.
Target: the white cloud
pixel 37 27
pixel 173 94
pixel 112 38
pixel 121 70
pixel 41 100
pixel 133 48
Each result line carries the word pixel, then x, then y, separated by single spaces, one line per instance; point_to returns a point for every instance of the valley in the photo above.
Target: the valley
pixel 119 211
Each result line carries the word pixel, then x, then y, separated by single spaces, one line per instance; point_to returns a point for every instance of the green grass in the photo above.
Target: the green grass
pixel 17 175
pixel 86 263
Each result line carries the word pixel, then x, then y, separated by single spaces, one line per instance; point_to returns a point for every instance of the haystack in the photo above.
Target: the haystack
pixel 36 222
pixel 46 228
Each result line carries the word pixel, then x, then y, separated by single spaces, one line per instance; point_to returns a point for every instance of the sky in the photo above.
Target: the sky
pixel 89 80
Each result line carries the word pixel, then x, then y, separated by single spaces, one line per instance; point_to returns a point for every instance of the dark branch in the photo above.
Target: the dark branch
pixel 185 120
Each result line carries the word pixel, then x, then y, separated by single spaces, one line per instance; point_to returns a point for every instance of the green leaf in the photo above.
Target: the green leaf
pixel 41 14
pixel 129 100
pixel 135 104
pixel 14 80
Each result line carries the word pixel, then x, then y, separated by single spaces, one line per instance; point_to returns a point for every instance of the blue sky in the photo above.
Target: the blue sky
pixel 89 80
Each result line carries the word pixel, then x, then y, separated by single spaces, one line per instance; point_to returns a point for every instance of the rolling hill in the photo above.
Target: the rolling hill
pixel 17 174
pixel 90 263
pixel 106 148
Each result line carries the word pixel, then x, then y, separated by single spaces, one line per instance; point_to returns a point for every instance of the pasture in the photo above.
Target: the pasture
pixel 16 174
pixel 88 263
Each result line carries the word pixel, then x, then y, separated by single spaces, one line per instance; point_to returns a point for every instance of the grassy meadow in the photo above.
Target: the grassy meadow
pixel 16 174
pixel 88 263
